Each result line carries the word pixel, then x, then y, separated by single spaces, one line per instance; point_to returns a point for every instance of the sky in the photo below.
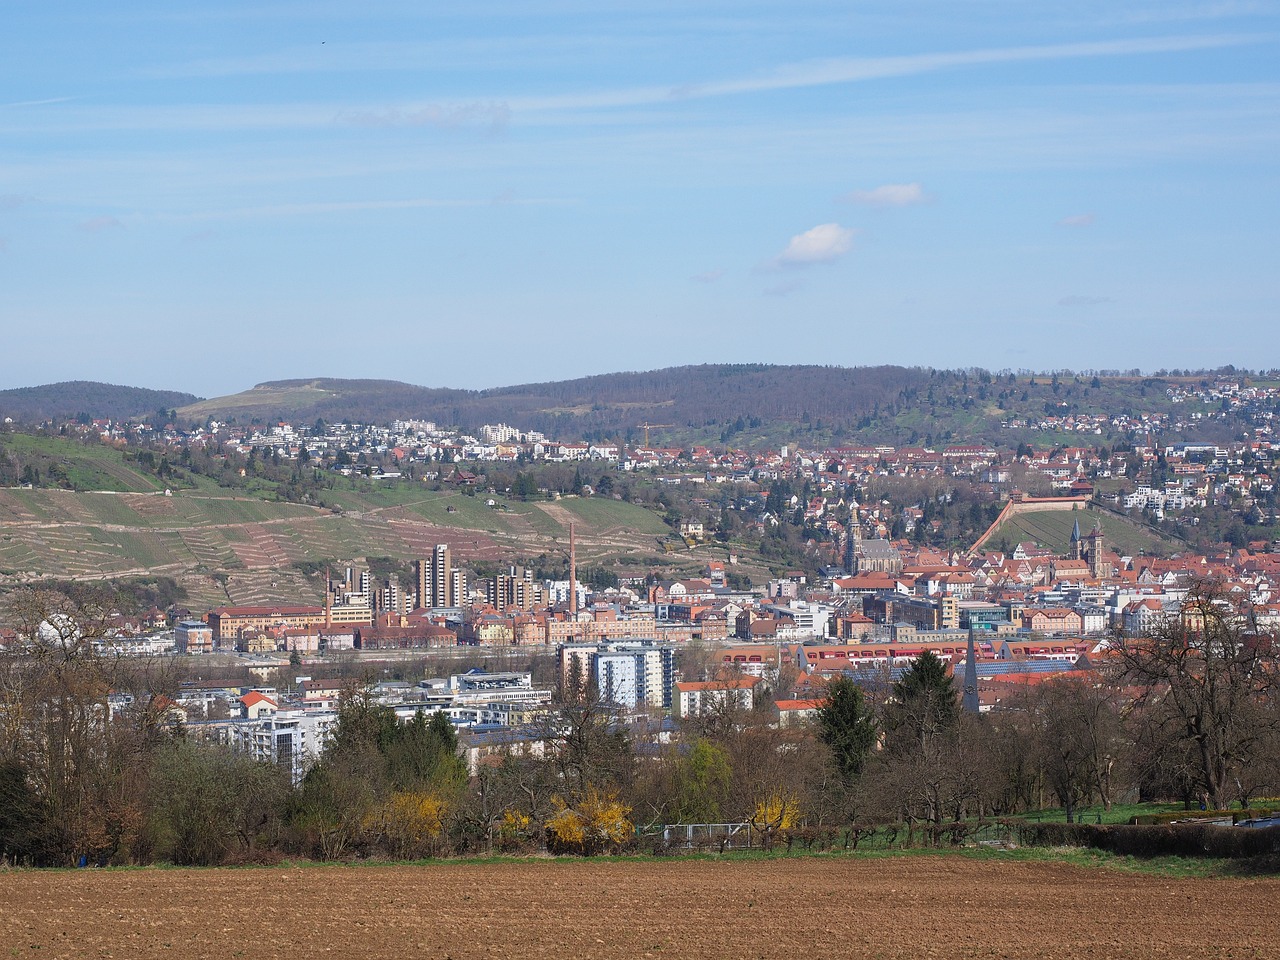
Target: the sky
pixel 202 195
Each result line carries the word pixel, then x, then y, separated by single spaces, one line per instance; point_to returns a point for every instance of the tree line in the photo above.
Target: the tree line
pixel 94 769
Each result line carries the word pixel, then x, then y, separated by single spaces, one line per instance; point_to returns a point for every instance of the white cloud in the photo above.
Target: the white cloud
pixel 890 195
pixel 1078 220
pixel 709 276
pixel 825 243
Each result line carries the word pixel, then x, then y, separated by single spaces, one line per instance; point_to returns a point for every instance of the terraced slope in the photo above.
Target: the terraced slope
pixel 224 548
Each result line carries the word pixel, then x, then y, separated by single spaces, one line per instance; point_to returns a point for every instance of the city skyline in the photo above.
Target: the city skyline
pixel 236 193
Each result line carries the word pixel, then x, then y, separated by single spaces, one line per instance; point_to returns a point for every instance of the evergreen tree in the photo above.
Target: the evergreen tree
pixel 847 725
pixel 925 702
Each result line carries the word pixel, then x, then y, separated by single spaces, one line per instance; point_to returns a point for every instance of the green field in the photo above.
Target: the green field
pixel 90 466
pixel 601 515
pixel 1051 529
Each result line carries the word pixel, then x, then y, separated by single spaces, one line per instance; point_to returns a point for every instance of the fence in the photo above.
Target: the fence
pixel 700 836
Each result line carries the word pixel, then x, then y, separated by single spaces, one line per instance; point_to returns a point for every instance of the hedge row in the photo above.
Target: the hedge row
pixel 1180 816
pixel 1178 840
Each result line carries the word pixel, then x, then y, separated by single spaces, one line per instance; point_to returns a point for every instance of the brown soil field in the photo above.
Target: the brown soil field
pixel 807 907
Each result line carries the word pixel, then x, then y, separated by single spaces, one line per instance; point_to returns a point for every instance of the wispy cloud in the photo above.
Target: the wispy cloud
pixel 99 224
pixel 784 289
pixel 35 103
pixel 355 206
pixel 840 70
pixel 1078 220
pixel 496 109
pixel 824 243
pixel 442 116
pixel 890 195
pixel 710 276
pixel 1077 300
pixel 1165 12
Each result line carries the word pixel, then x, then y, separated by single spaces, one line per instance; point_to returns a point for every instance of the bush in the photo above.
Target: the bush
pixel 599 823
pixel 1185 815
pixel 1155 840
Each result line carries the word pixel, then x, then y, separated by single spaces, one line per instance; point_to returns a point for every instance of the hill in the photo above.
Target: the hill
pixel 1051 529
pixel 86 398
pixel 221 547
pixel 750 406
pixel 754 406
pixel 712 396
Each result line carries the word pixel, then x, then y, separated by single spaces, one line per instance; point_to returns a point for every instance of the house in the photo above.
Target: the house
pixel 795 712
pixel 256 705
pixel 694 698
pixel 1052 621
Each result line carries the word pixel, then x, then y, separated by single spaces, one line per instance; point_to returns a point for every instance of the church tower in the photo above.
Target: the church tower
pixel 1095 552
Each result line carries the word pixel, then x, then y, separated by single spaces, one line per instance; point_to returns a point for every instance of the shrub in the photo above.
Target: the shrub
pixel 1155 840
pixel 598 823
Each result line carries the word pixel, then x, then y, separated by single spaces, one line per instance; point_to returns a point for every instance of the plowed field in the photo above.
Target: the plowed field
pixel 802 908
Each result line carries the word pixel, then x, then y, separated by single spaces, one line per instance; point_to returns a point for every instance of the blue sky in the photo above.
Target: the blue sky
pixel 206 195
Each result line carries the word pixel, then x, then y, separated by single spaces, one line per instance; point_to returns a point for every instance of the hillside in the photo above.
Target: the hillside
pixel 750 406
pixel 686 398
pixel 1052 530
pixel 755 406
pixel 75 398
pixel 224 548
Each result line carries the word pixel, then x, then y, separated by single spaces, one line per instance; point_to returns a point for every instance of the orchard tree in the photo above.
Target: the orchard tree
pixel 1209 676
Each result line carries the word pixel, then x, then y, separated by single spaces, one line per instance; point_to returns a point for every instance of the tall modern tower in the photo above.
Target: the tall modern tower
pixel 440 589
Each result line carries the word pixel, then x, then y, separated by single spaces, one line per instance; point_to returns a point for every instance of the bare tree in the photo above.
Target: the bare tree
pixel 79 747
pixel 1077 737
pixel 1208 681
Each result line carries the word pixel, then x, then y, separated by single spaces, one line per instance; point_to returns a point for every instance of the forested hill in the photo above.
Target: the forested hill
pixel 606 405
pixel 751 406
pixel 75 398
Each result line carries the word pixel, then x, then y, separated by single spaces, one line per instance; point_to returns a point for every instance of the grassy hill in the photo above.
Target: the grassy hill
pixel 76 465
pixel 1052 530
pixel 223 548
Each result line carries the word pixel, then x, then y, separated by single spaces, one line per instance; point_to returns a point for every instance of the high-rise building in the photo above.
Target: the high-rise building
pixel 439 583
pixel 422 592
pixel 515 590
pixel 439 589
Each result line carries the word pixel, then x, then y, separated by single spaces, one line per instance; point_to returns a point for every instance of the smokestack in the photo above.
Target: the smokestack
pixel 573 577
pixel 328 601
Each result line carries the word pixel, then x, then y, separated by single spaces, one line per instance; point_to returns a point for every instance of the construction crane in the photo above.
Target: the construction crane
pixel 647 425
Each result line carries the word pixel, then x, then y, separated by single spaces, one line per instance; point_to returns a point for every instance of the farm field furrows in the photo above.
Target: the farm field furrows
pixel 943 906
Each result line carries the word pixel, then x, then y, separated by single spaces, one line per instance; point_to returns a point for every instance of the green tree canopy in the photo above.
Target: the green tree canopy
pixel 924 701
pixel 703 779
pixel 847 725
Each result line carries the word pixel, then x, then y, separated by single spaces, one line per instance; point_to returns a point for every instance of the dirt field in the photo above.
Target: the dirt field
pixel 807 908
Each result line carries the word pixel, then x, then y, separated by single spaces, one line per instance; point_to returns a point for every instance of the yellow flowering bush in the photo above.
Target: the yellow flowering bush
pixel 599 822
